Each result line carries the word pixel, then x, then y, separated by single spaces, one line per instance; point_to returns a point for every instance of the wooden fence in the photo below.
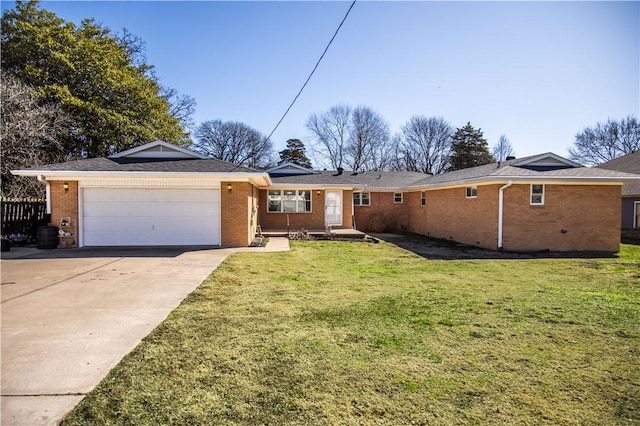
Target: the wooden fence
pixel 23 217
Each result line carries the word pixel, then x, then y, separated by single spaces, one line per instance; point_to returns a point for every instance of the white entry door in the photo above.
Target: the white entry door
pixel 150 217
pixel 333 208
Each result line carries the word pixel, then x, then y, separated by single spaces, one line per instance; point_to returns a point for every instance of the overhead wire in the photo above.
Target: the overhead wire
pixel 312 71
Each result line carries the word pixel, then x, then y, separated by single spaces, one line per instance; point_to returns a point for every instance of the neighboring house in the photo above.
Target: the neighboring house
pixel 629 163
pixel 161 194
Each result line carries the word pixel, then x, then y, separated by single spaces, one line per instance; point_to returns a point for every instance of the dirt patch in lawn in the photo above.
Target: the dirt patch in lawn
pixel 433 248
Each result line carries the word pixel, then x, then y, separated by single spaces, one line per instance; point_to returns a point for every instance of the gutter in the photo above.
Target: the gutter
pixel 47 192
pixel 501 212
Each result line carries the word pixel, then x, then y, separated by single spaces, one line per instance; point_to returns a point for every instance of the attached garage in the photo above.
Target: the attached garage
pixel 150 216
pixel 157 194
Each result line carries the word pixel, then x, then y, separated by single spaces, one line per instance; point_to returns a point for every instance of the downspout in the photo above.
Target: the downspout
pixel 47 192
pixel 501 212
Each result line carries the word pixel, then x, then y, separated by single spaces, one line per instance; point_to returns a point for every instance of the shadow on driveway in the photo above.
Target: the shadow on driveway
pixel 433 248
pixel 31 252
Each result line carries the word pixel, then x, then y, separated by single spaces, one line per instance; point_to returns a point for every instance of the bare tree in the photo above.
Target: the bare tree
pixel 234 142
pixel 181 107
pixel 424 145
pixel 606 141
pixel 330 131
pixel 368 147
pixel 28 137
pixel 502 149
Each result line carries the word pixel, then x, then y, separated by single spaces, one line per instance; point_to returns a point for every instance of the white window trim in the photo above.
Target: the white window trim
pixel 282 201
pixel 358 196
pixel 531 194
pixel 401 197
pixel 466 191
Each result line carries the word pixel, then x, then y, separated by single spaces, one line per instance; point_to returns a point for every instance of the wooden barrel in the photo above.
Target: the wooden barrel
pixel 47 237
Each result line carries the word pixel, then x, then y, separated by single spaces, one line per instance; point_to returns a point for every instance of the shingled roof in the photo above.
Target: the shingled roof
pixel 371 179
pixel 167 165
pixel 325 178
pixel 546 166
pixel 160 157
pixel 154 157
pixel 387 180
pixel 629 163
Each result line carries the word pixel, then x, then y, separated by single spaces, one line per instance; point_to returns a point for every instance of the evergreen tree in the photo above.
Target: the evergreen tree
pixel 295 153
pixel 469 148
pixel 99 80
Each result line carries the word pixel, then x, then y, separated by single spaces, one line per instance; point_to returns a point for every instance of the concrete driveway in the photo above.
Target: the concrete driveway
pixel 69 316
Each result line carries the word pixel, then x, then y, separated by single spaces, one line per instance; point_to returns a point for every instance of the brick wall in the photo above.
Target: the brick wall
pixel 347 210
pixel 383 214
pixel 417 213
pixel 313 220
pixel 573 217
pixel 452 216
pixel 63 203
pixel 237 226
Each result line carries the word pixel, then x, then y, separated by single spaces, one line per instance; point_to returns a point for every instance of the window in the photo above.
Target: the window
pixel 289 200
pixel 423 198
pixel 537 195
pixel 361 199
pixel 472 192
pixel 397 197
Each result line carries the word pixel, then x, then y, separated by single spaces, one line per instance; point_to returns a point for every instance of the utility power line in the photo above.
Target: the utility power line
pixel 312 71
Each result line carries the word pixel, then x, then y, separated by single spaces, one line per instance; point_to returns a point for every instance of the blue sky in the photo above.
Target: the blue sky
pixel 538 72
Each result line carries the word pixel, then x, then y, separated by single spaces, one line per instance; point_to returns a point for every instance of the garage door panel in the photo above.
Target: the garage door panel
pixel 172 210
pixel 115 239
pixel 137 216
pixel 170 195
pixel 169 224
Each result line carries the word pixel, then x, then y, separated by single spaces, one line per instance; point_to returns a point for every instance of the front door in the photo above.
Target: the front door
pixel 333 208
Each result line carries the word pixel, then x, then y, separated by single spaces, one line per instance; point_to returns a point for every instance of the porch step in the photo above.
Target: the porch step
pixel 339 233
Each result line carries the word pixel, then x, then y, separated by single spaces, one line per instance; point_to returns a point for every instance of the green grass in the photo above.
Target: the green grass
pixel 355 333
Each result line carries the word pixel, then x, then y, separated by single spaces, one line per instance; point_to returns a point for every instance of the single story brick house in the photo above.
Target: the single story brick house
pixel 629 163
pixel 162 194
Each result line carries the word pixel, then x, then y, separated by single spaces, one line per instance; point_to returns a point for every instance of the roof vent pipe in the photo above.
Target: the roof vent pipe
pixel 510 157
pixel 340 170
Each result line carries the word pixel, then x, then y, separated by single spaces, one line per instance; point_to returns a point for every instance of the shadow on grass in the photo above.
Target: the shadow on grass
pixel 434 248
pixel 631 236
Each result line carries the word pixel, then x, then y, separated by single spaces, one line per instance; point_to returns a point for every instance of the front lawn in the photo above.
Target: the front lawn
pixel 358 333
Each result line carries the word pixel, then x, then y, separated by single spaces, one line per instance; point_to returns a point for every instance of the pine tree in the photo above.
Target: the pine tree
pixel 295 153
pixel 469 148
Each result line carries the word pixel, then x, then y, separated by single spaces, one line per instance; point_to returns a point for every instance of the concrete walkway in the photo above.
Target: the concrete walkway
pixel 69 316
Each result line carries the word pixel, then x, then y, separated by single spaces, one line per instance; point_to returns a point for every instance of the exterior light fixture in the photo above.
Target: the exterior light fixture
pixel 229 187
pixel 318 192
pixel 66 187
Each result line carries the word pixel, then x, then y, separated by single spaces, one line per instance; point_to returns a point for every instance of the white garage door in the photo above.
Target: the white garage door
pixel 150 217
